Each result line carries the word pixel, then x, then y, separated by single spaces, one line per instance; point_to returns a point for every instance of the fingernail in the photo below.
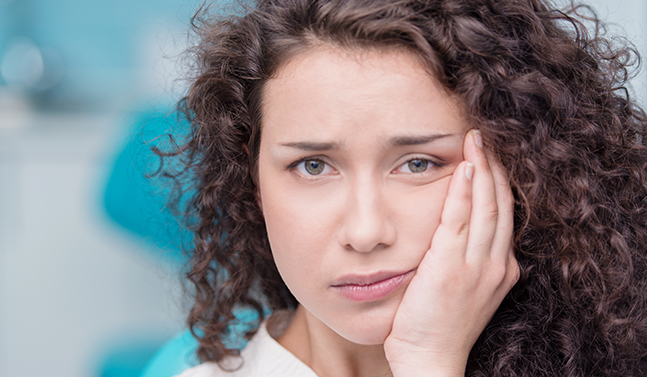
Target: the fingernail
pixel 469 171
pixel 478 140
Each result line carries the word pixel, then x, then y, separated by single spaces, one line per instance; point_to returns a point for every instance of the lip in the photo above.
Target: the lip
pixel 371 287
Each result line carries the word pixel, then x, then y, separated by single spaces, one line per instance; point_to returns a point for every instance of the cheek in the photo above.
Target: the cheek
pixel 300 227
pixel 419 212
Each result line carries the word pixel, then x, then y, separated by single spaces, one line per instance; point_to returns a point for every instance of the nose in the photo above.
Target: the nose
pixel 366 224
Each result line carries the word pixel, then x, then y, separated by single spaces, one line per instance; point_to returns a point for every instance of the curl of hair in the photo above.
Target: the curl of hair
pixel 550 97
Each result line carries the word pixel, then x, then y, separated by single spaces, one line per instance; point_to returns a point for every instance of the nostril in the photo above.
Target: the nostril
pixel 367 232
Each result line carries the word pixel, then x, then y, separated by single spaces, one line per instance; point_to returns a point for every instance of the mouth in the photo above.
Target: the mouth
pixel 372 287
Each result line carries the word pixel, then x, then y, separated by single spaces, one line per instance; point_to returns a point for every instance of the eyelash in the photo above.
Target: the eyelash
pixel 429 165
pixel 295 165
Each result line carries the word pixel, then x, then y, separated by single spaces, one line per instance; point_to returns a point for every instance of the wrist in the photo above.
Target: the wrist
pixel 406 361
pixel 427 369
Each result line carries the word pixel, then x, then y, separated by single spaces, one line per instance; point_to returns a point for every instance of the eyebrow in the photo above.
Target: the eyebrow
pixel 416 140
pixel 312 146
pixel 395 141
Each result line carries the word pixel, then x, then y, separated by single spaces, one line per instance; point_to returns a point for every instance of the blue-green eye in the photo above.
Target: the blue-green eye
pixel 416 165
pixel 313 166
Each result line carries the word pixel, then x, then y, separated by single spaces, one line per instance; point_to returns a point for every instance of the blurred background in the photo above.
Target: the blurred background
pixel 89 268
pixel 85 288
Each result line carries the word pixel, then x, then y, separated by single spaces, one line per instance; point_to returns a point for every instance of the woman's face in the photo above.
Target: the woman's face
pixel 356 155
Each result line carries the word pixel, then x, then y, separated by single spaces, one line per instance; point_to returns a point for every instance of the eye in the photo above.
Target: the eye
pixel 416 165
pixel 313 166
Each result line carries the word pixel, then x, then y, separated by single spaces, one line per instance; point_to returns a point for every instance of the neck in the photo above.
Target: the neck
pixel 329 354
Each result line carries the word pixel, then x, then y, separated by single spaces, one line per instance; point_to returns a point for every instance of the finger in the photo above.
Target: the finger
pixel 510 278
pixel 483 223
pixel 450 238
pixel 514 271
pixel 502 242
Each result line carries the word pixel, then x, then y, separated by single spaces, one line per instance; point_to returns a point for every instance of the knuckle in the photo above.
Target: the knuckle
pixel 491 211
pixel 511 273
pixel 456 226
pixel 498 273
pixel 461 228
pixel 516 273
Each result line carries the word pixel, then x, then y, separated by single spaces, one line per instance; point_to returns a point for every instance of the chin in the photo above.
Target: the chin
pixel 370 327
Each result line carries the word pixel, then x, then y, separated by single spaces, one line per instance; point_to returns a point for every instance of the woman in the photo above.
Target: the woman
pixel 416 188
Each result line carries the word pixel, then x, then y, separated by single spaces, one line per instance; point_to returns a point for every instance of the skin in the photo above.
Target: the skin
pixel 367 118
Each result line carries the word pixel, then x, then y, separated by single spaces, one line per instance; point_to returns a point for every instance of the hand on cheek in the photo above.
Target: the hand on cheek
pixel 464 276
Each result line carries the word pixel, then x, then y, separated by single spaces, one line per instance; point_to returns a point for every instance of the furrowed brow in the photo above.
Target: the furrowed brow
pixel 312 146
pixel 416 140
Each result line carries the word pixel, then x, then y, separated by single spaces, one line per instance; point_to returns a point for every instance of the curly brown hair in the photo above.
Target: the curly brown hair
pixel 550 98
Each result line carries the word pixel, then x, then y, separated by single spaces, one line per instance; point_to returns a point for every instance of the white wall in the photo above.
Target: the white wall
pixel 72 285
pixel 629 18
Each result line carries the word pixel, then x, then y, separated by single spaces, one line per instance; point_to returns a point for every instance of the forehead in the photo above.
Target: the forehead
pixel 329 91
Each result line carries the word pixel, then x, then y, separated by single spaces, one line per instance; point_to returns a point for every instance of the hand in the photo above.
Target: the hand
pixel 463 277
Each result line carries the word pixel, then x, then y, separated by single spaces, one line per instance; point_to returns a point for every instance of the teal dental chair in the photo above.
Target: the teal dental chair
pixel 137 201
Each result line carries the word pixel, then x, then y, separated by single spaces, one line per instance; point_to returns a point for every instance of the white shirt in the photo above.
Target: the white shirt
pixel 262 357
